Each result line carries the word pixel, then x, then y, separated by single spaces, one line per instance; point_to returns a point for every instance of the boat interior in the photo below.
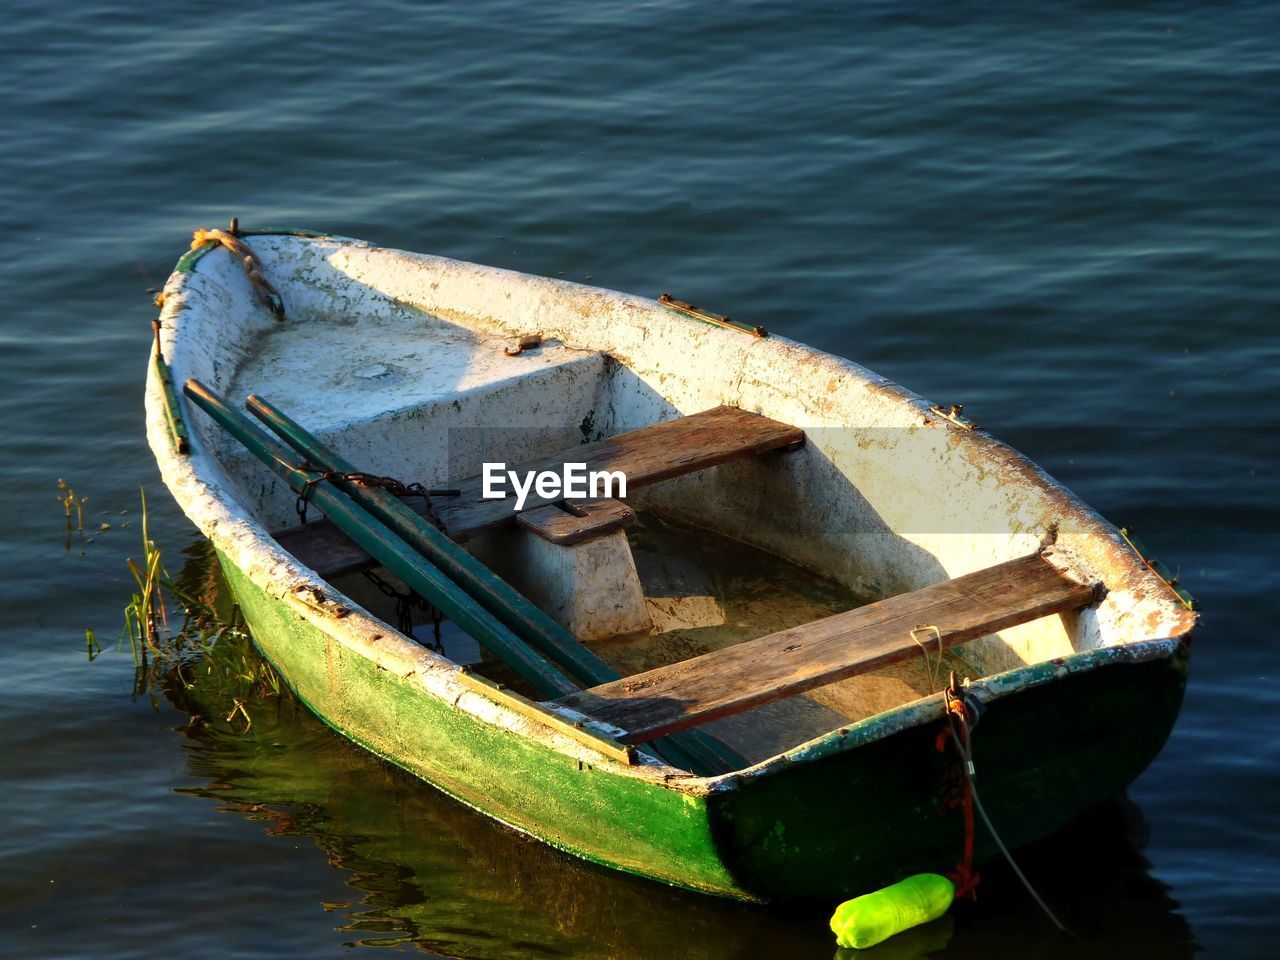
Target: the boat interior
pixel 772 572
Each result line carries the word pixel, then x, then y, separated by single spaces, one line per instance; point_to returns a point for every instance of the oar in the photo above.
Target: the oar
pixel 540 631
pixel 524 619
pixel 384 545
pixel 389 549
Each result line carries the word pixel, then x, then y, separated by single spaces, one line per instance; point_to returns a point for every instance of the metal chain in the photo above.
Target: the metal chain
pixel 406 602
pixel 393 486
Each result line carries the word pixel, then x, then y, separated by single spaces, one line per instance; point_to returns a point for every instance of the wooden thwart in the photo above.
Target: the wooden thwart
pixel 792 661
pixel 646 456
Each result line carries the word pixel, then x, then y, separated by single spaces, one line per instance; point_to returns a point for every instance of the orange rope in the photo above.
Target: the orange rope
pixel 268 294
pixel 960 715
pixel 964 876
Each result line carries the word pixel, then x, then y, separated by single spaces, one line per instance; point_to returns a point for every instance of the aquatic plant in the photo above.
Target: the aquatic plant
pixel 187 639
pixel 70 502
pixel 145 614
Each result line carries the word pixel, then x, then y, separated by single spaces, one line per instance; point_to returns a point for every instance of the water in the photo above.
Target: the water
pixel 1065 218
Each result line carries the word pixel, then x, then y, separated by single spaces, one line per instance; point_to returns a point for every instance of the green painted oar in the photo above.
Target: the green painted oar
pixel 523 618
pixel 693 748
pixel 387 548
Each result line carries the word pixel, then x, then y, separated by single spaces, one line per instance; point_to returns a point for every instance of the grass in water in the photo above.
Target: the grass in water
pixel 71 504
pixel 188 640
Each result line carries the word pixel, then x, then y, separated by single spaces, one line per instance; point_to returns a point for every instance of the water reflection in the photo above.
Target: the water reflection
pixel 426 871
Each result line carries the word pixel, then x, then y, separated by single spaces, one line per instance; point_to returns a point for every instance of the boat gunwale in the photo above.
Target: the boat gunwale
pixel 237 533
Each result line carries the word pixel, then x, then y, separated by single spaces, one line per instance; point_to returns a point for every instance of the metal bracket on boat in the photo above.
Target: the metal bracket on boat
pixel 954 415
pixel 314 599
pixel 177 429
pixel 715 319
pixel 1160 570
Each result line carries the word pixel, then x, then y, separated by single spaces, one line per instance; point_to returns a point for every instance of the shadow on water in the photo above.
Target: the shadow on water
pixel 427 872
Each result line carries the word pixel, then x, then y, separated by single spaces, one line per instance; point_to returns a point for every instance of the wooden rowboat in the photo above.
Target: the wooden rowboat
pixel 804 553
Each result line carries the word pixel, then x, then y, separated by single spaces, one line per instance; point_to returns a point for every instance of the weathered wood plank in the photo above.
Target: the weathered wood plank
pixel 792 661
pixel 645 456
pixel 590 519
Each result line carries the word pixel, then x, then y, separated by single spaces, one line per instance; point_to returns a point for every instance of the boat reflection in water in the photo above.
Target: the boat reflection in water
pixel 432 873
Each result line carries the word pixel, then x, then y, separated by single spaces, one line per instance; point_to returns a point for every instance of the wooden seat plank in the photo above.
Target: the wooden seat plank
pixel 588 520
pixel 782 664
pixel 645 456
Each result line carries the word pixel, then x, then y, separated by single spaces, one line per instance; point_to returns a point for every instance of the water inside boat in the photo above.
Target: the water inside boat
pixel 705 592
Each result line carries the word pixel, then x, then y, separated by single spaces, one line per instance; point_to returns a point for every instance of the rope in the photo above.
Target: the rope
pixel 936 668
pixel 262 287
pixel 969 775
pixel 958 710
pixel 965 877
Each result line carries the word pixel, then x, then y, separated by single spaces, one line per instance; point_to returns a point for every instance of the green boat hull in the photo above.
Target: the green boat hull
pixel 858 819
pixel 831 820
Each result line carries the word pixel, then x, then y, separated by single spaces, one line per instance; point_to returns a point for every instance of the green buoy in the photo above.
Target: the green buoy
pixel 875 917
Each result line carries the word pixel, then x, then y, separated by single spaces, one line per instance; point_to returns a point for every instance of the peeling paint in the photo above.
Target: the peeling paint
pixel 396 359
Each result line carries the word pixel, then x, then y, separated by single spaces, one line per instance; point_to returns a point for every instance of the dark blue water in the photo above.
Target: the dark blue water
pixel 1064 217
